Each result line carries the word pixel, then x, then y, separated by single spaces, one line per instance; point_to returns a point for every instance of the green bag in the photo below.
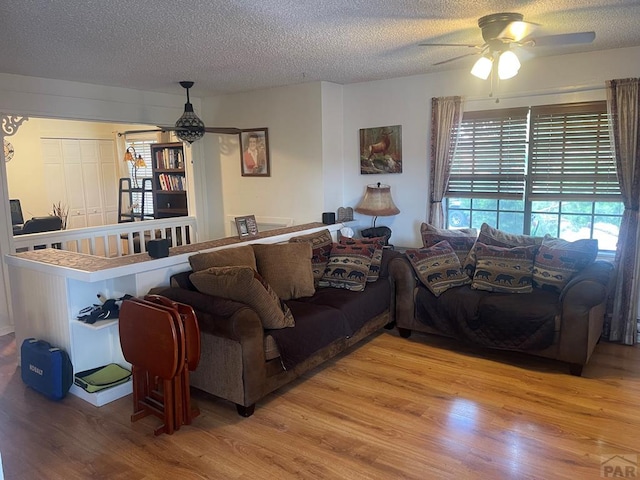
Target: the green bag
pixel 100 378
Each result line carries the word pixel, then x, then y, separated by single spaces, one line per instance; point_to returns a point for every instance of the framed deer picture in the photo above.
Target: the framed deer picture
pixel 381 150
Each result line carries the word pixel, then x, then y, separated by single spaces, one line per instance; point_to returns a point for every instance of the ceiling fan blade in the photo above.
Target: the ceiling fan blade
pixel 456 58
pixel 517 30
pixel 561 39
pixel 224 130
pixel 449 45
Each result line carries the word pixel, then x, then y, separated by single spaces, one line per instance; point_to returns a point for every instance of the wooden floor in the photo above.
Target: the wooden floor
pixel 422 408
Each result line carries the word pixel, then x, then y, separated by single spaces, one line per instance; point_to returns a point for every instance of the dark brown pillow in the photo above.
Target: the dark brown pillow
pixel 504 269
pixel 244 284
pixel 227 257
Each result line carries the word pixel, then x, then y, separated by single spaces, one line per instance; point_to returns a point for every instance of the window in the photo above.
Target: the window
pixel 539 170
pixel 142 147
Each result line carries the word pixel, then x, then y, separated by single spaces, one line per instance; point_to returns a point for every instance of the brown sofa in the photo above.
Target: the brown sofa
pixel 243 362
pixel 563 325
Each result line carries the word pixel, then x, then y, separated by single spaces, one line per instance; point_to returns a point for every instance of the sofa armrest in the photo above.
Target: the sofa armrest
pixel 584 301
pixel 590 284
pixel 216 315
pixel 403 284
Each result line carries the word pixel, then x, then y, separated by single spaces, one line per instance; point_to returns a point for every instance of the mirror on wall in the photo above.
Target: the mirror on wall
pixel 70 167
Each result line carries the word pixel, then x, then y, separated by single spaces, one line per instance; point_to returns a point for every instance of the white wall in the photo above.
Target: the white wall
pixel 293 116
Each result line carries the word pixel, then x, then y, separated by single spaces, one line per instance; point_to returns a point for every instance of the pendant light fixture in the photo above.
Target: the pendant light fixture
pixel 190 127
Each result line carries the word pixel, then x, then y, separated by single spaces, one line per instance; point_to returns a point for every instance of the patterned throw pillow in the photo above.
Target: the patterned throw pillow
pixel 461 240
pixel 559 260
pixel 376 260
pixel 243 284
pixel 492 236
pixel 321 243
pixel 503 269
pixel 437 267
pixel 348 267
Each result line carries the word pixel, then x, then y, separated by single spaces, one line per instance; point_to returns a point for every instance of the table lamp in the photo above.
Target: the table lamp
pixel 377 202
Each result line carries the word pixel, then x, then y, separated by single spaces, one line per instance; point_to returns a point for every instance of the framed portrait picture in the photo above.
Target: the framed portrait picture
pixel 381 150
pixel 246 226
pixel 254 153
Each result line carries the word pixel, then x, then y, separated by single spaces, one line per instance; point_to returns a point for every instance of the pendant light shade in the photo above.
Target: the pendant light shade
pixel 192 127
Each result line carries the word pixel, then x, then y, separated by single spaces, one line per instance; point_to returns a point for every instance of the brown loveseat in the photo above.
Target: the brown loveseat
pixel 559 323
pixel 242 361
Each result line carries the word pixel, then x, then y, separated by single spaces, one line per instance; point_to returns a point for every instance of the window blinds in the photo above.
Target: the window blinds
pixel 562 151
pixel 490 157
pixel 571 156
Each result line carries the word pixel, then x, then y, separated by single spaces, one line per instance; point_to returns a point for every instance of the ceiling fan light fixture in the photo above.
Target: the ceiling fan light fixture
pixel 508 65
pixel 482 68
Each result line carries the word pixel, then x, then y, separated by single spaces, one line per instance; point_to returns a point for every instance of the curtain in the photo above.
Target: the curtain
pixel 446 116
pixel 623 103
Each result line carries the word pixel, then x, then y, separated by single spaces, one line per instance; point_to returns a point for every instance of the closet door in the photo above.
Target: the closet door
pixel 109 175
pixel 92 182
pixel 55 185
pixel 73 175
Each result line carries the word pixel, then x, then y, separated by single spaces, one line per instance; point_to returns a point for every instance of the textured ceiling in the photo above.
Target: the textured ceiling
pixel 239 45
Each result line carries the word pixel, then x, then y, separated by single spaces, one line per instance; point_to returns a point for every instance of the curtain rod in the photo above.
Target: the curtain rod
pixel 538 93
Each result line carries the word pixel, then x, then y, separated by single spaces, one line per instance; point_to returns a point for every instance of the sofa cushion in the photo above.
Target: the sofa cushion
pixel 376 260
pixel 321 243
pixel 287 268
pixel 492 236
pixel 437 267
pixel 503 269
pixel 461 240
pixel 227 257
pixel 557 261
pixel 348 267
pixel 317 327
pixel 243 284
pixel 357 307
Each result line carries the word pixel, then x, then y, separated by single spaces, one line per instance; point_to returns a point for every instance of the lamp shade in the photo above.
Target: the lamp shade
pixel 377 202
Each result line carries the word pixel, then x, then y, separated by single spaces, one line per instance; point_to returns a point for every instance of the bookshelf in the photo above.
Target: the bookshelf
pixel 169 181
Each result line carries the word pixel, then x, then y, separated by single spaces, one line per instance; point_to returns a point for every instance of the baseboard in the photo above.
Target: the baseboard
pixel 6 330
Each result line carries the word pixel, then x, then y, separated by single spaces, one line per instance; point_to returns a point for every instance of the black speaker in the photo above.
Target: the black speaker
pixel 158 248
pixel 328 218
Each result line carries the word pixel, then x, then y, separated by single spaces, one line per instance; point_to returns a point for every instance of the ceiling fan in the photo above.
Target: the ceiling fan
pixel 189 127
pixel 502 32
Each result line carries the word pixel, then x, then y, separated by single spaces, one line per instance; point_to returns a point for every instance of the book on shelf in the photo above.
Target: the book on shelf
pixel 169 159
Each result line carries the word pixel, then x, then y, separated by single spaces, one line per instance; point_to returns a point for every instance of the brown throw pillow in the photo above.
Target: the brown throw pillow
pixel 492 236
pixel 558 260
pixel 321 243
pixel 376 260
pixel 243 284
pixel 227 257
pixel 287 268
pixel 461 240
pixel 502 269
pixel 437 267
pixel 348 267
